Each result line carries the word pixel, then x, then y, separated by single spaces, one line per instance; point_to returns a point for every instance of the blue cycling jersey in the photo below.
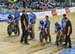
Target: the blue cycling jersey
pixel 57 28
pixel 41 27
pixel 16 15
pixel 63 24
pixel 47 24
pixel 31 18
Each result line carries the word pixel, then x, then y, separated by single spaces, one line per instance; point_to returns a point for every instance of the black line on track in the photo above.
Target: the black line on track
pixel 38 50
pixel 56 50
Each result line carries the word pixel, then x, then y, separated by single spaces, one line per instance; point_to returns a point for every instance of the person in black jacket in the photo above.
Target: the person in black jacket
pixel 68 32
pixel 24 26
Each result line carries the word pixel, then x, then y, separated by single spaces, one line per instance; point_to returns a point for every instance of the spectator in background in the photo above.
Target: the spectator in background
pixel 10 5
pixel 0 7
pixel 24 5
pixel 30 1
pixel 16 18
pixel 27 3
pixel 45 7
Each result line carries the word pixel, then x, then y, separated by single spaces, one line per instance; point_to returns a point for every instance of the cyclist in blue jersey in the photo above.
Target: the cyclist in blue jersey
pixel 32 21
pixel 57 27
pixel 47 27
pixel 58 32
pixel 63 24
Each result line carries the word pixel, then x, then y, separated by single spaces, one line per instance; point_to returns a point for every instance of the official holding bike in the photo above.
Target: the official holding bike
pixel 24 26
pixel 68 32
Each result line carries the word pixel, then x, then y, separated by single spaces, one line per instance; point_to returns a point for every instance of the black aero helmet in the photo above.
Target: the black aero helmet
pixel 41 22
pixel 56 23
pixel 64 14
pixel 9 16
pixel 46 16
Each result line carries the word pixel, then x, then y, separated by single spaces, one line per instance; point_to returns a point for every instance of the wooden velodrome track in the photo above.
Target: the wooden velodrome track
pixel 12 45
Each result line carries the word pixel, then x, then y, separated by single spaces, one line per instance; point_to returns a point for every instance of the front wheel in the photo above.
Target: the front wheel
pixel 41 37
pixel 9 30
pixel 32 35
pixel 57 40
pixel 15 30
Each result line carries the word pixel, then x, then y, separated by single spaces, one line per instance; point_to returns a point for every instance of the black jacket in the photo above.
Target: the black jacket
pixel 68 24
pixel 24 17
